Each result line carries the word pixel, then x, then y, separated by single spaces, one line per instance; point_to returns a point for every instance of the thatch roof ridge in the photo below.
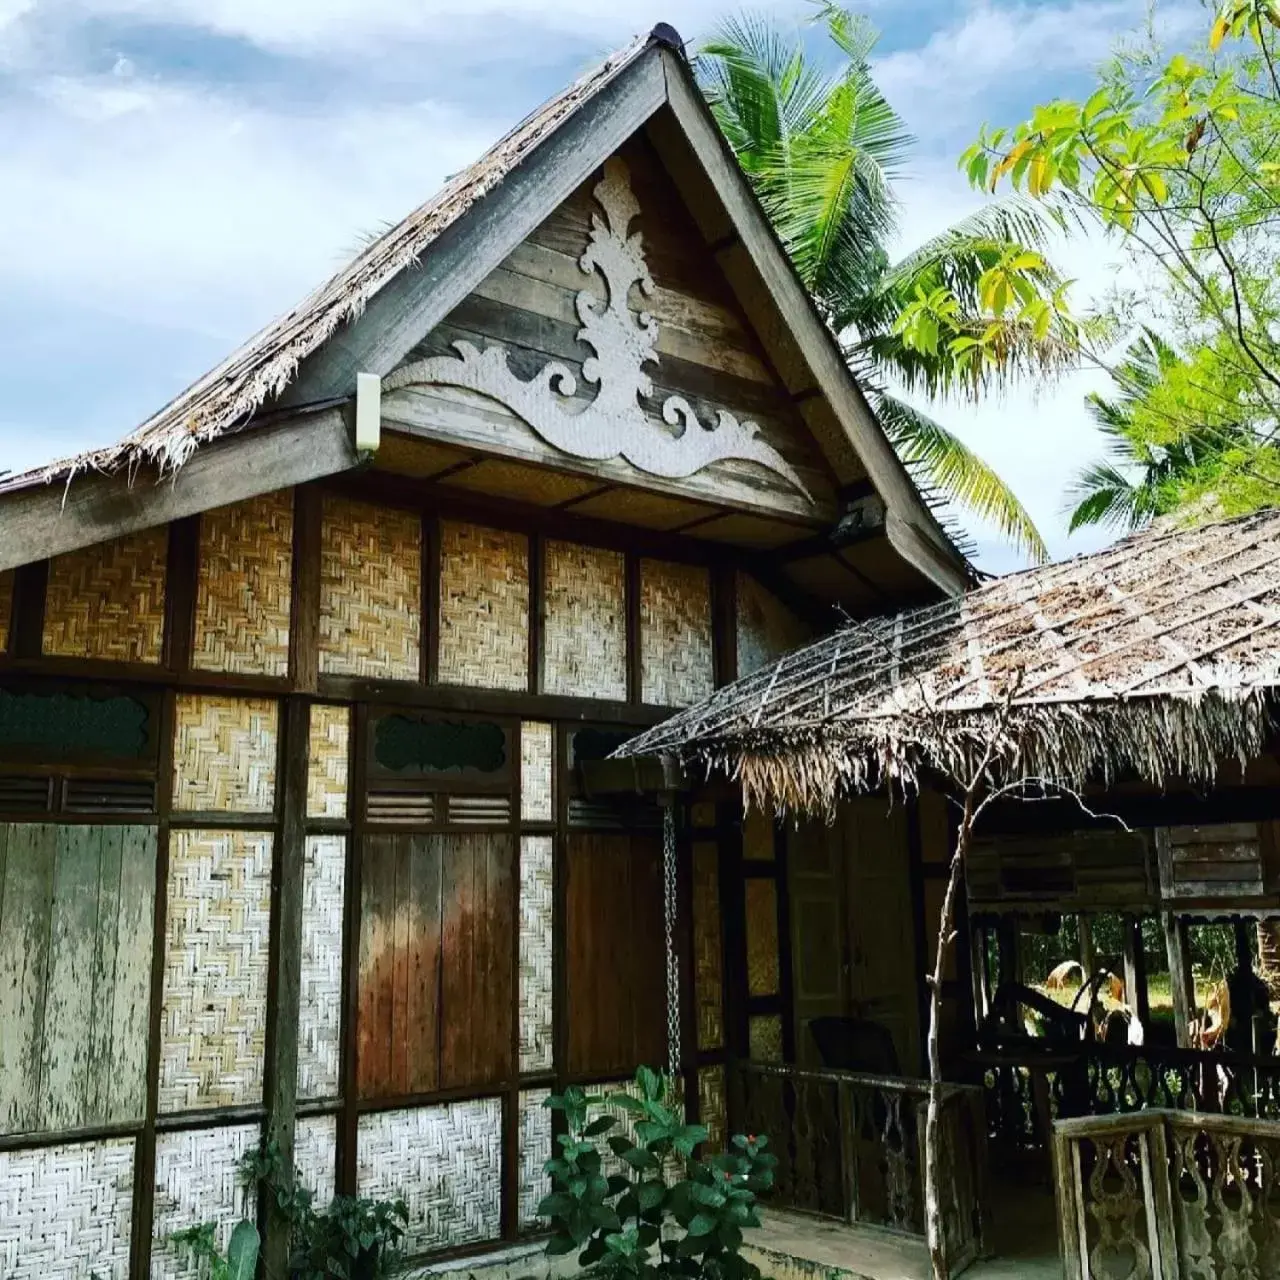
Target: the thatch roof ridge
pixel 222 401
pixel 1157 654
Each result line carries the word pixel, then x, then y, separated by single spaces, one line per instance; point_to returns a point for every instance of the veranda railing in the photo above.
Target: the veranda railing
pixel 851 1147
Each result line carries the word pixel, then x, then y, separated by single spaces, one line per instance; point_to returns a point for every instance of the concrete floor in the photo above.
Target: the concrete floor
pixel 1023 1246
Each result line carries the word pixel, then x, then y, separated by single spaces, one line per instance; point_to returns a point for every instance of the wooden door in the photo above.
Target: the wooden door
pixel 819 930
pixel 881 916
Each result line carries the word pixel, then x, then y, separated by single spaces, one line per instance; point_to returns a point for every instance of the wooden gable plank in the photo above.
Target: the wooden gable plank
pixel 131 992
pixel 52 519
pixel 706 351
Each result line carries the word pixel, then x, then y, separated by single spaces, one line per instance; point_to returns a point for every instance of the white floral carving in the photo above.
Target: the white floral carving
pixel 615 423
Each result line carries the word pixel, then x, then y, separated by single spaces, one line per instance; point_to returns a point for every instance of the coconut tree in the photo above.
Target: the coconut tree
pixel 823 148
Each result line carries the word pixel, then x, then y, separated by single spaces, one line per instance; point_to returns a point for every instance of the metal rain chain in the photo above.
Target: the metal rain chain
pixel 669 889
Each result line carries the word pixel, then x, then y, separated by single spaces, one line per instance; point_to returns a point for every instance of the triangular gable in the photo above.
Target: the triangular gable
pixel 369 318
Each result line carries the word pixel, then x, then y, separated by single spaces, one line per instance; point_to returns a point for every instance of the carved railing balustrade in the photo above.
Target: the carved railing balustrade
pixel 1168 1195
pixel 851 1147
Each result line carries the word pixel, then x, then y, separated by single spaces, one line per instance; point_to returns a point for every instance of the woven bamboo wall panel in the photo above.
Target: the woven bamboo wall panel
pixel 320 1009
pixel 712 1107
pixel 65 1212
pixel 585 629
pixel 370 591
pixel 244 586
pixel 107 601
pixel 537 756
pixel 766 628
pixel 214 1013
pixel 536 953
pixel 75 963
pixel 224 754
pixel 6 607
pixel 535 1151
pixel 328 758
pixel 315 1155
pixel 762 937
pixel 708 948
pixel 675 633
pixel 445 1162
pixel 484 607
pixel 198 1180
pixel 764 1038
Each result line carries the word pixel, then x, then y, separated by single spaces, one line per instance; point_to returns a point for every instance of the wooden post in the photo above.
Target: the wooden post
pixel 1180 977
pixel 286 971
pixel 1088 956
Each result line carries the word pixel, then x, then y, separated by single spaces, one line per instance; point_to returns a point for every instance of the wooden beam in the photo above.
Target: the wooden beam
pixel 415 301
pixel 698 132
pixel 285 979
pixel 49 519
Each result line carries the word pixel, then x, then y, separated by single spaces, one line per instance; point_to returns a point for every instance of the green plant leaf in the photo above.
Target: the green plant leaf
pixel 242 1251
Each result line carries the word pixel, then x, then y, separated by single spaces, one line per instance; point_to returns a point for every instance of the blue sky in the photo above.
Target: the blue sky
pixel 173 173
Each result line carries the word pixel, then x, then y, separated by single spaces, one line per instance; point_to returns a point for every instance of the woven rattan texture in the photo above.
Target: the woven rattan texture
pixel 536 986
pixel 224 754
pixel 585 628
pixel 712 1110
pixel 107 601
pixel 484 607
pixel 328 759
pixel 6 607
pixel 708 950
pixel 675 633
pixel 536 761
pixel 535 1151
pixel 65 1212
pixel 214 1016
pixel 370 591
pixel 320 1009
pixel 198 1179
pixel 446 1163
pixel 762 936
pixel 766 628
pixel 764 1038
pixel 315 1154
pixel 243 587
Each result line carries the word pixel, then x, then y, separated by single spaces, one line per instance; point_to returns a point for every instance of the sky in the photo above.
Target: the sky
pixel 174 173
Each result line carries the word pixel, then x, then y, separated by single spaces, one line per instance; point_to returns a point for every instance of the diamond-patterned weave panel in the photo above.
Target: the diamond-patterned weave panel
pixel 675 633
pixel 198 1180
pixel 484 607
pixel 320 1009
pixel 535 953
pixel 535 1151
pixel 766 628
pixel 244 586
pixel 370 591
pixel 708 952
pixel 224 754
pixel 712 1107
pixel 537 757
pixel 214 1013
pixel 315 1155
pixel 65 1212
pixel 446 1163
pixel 585 628
pixel 327 761
pixel 107 601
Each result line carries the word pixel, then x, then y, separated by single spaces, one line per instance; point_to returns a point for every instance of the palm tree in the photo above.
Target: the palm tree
pixel 822 150
pixel 1147 473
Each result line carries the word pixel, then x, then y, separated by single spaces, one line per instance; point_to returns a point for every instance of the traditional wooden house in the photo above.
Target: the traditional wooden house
pixel 296 682
pixel 1115 716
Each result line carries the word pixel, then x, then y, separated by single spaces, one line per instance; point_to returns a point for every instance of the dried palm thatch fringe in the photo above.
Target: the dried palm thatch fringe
pixel 1156 656
pixel 223 400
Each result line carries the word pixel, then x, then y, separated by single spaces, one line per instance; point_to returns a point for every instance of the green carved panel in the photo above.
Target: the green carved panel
pixel 66 725
pixel 423 746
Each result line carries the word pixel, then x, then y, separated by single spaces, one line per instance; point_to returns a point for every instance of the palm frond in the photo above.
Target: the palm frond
pixel 957 472
pixel 1103 494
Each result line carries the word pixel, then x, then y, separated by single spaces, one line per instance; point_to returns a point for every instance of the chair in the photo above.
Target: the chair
pixel 855 1044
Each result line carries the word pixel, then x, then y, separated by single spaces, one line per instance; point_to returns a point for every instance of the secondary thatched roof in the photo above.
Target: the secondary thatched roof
pixel 1155 655
pixel 225 398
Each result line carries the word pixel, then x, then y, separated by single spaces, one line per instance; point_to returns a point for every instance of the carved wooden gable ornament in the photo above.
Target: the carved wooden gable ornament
pixel 615 424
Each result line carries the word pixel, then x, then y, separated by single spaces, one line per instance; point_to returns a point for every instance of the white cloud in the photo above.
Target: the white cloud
pixel 172 205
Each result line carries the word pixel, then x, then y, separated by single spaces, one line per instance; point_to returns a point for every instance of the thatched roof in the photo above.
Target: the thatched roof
pixel 1156 655
pixel 226 397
